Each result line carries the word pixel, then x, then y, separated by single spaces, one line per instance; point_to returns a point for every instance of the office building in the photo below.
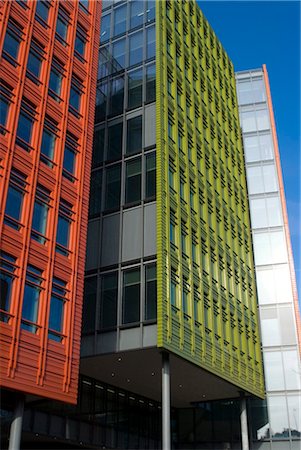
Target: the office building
pixel 276 283
pixel 48 78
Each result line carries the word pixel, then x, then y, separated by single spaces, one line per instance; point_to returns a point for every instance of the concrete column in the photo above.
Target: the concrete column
pixel 16 425
pixel 244 423
pixel 165 402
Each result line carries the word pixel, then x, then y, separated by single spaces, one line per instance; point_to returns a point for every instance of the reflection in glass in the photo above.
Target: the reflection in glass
pixel 131 296
pixel 133 181
pixel 134 135
pixel 120 20
pixel 274 376
pixel 292 369
pixel 294 412
pixel 135 83
pixel 114 147
pixel 113 185
pixel 109 297
pixel 150 83
pixel 278 417
pixel 105 28
pixel 118 54
pixel 136 13
pixel 136 48
pixel 150 42
pixel 116 97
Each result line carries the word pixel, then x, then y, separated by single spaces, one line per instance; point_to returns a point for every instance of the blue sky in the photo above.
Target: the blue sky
pixel 268 32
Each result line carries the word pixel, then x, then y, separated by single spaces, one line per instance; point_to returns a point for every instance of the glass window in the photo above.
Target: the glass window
pixel 105 28
pixel 278 417
pixel 131 296
pixel 150 10
pixel 114 149
pixel 150 176
pixel 4 107
pixel 56 316
pixel 183 239
pixel 134 135
pixel 116 97
pixel 274 285
pixel 84 5
pixel 266 146
pixel 11 43
pixel 269 178
pixel 62 26
pixel 135 83
pixel 101 102
pixel 75 95
pixel 112 189
pixel 252 149
pixel 69 160
pixel 133 181
pixel 98 147
pixel 262 117
pixel 109 299
pixel 269 248
pixel 274 376
pixel 150 42
pixel 24 130
pixel 89 307
pixel 262 179
pixel 40 212
pixel 150 292
pixel 270 328
pixel 31 298
pixel 42 10
pixel 118 55
pixel 185 306
pixel 55 79
pixel 95 193
pixel 291 369
pixel 248 121
pixel 34 61
pixel 63 227
pixel 7 269
pixel 294 412
pixel 14 200
pixel 173 293
pixel 119 20
pixel 80 41
pixel 245 92
pixel 150 84
pixel 258 90
pixel 265 212
pixel 136 13
pixel 136 48
pixel 48 144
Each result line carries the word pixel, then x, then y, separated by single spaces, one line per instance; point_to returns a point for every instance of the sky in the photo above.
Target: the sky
pixel 268 32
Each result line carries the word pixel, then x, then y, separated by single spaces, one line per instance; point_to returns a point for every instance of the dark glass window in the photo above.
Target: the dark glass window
pixel 63 227
pixel 134 135
pixel 34 62
pixel 80 42
pixel 42 10
pixel 135 83
pixel 173 289
pixel 75 96
pixel 14 200
pixel 40 212
pixel 105 28
pixel 136 13
pixel 84 5
pixel 90 290
pixel 150 176
pixel 116 97
pixel 119 20
pixel 55 79
pixel 48 142
pixel 131 296
pixel 70 152
pixel 150 42
pixel 150 292
pixel 12 41
pixel 101 102
pixel 133 181
pixel 5 99
pixel 62 26
pixel 118 55
pixel 150 95
pixel 98 147
pixel 136 48
pixel 7 269
pixel 56 316
pixel 31 298
pixel 109 298
pixel 185 306
pixel 95 193
pixel 113 185
pixel 114 142
pixel 25 125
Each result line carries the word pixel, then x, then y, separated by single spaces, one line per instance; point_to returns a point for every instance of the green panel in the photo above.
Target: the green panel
pixel 203 228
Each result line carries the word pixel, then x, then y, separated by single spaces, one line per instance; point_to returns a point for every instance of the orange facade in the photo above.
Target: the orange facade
pixel 48 75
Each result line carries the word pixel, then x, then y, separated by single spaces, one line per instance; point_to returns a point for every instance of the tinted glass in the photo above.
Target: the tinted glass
pixel 14 203
pixel 136 48
pixel 34 64
pixel 56 316
pixel 61 27
pixel 4 107
pixel 133 181
pixel 42 10
pixel 48 143
pixel 75 96
pixel 136 13
pixel 55 81
pixel 131 296
pixel 150 95
pixel 150 177
pixel 120 20
pixel 150 292
pixel 135 83
pixel 89 304
pixel 30 305
pixel 114 142
pixel 39 219
pixel 69 160
pixel 134 135
pixel 98 147
pixel 95 193
pixel 113 184
pixel 25 128
pixel 105 28
pixel 109 297
pixel 118 53
pixel 116 98
pixel 11 44
pixel 63 228
pixel 5 292
pixel 150 42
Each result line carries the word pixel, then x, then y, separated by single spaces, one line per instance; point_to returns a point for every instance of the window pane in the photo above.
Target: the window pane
pixel 75 97
pixel 133 181
pixel 294 412
pixel 135 82
pixel 131 296
pixel 95 193
pixel 98 147
pixel 252 149
pixel 270 178
pixel 69 160
pixel 4 107
pixel 48 143
pixel 266 146
pixel 136 13
pixel 30 303
pixel 109 298
pixel 116 98
pixel 24 130
pixel 11 44
pixel 150 292
pixel 150 95
pixel 63 228
pixel 274 376
pixel 119 20
pixel 245 92
pixel 42 10
pixel 14 203
pixel 118 61
pixel 262 119
pixel 134 135
pixel 114 142
pixel 105 28
pixel 150 42
pixel 101 102
pixel 89 306
pixel 80 43
pixel 248 121
pixel 150 10
pixel 56 314
pixel 113 184
pixel 258 91
pixel 136 48
pixel 150 177
pixel 6 282
pixel 55 81
pixel 291 370
pixel 61 27
pixel 278 417
pixel 34 63
pixel 39 219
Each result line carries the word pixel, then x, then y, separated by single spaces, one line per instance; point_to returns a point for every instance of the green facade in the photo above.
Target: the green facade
pixel 207 306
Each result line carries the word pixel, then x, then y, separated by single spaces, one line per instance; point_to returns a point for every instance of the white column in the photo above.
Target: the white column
pixel 165 402
pixel 16 426
pixel 244 423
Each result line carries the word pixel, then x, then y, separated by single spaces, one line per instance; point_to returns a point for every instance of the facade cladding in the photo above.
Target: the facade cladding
pixel 169 257
pixel 276 285
pixel 48 77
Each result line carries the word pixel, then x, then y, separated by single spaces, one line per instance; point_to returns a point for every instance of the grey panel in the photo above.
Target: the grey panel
pixel 132 234
pixel 106 342
pixel 93 239
pixel 87 346
pixel 150 336
pixel 110 240
pixel 150 230
pixel 130 339
pixel 150 125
